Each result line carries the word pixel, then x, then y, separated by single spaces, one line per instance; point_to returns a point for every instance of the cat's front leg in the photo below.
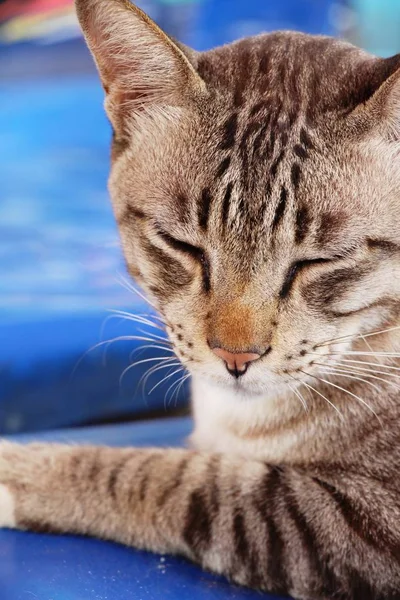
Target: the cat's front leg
pixel 104 492
pixel 313 534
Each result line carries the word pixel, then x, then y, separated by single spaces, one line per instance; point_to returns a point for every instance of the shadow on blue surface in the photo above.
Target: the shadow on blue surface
pixel 70 568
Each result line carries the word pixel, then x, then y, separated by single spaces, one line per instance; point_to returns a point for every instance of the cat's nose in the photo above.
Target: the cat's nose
pixel 236 363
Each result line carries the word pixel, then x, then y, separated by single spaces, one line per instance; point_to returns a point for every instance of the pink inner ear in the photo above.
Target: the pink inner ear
pixel 138 63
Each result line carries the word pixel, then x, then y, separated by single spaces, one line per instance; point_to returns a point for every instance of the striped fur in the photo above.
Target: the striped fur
pixel 256 191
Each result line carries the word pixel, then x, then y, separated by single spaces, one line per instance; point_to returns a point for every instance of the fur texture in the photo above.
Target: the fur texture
pixel 256 188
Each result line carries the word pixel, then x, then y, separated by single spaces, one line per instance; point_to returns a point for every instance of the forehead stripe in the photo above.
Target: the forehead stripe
pixel 300 151
pixel 295 175
pixel 130 215
pixel 223 167
pixel 303 222
pixel 204 208
pixel 276 163
pixel 229 132
pixel 305 139
pixel 280 209
pixel 226 204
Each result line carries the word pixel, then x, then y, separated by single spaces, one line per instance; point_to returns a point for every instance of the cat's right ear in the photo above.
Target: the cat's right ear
pixel 380 113
pixel 139 64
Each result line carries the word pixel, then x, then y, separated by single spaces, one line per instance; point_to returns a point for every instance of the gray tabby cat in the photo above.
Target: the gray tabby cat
pixel 256 187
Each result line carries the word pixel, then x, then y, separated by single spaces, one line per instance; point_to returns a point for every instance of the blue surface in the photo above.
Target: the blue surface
pixel 45 567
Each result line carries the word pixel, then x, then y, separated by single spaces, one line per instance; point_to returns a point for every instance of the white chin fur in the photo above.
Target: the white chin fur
pixel 7 507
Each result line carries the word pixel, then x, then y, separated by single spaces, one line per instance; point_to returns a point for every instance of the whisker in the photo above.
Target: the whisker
pixel 378 353
pixel 360 370
pixel 356 353
pixel 171 387
pixel 322 395
pixel 348 375
pixel 367 343
pixel 121 338
pixel 161 338
pixel 350 394
pixel 158 317
pixel 166 377
pixel 142 317
pixel 140 362
pixel 135 318
pixel 358 336
pixel 131 288
pixel 137 352
pixel 155 347
pixel 368 373
pixel 159 346
pixel 298 394
pixel 178 389
pixel 363 362
pixel 363 369
pixel 145 377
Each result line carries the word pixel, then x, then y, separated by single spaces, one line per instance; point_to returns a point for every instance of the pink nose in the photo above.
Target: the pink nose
pixel 236 363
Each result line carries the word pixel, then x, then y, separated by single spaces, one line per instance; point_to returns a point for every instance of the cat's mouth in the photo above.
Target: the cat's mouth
pixel 251 383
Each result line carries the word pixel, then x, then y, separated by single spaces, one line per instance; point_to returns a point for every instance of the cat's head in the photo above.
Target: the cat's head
pixel 256 188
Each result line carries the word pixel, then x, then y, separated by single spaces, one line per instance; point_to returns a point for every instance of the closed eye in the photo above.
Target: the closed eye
pixel 195 252
pixel 180 246
pixel 300 265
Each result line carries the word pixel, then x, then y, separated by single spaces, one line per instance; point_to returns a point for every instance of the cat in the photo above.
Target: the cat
pixel 256 187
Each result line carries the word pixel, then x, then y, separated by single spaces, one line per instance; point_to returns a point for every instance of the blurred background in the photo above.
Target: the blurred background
pixel 61 271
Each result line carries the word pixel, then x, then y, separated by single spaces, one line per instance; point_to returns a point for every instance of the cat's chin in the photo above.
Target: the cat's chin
pixel 246 388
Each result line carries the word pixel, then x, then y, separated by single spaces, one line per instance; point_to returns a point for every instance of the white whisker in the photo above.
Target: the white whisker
pixel 171 387
pixel 157 347
pixel 367 343
pixel 348 375
pixel 322 395
pixel 367 373
pixel 178 389
pixel 141 362
pixel 357 353
pixel 121 338
pixel 363 362
pixel 134 318
pixel 131 288
pixel 358 336
pixel 165 378
pixel 361 371
pixel 137 352
pixel 298 394
pixel 154 336
pixel 145 377
pixel 350 394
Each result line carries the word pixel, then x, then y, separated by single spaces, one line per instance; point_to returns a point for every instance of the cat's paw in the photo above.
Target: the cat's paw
pixel 11 456
pixel 7 507
pixel 18 474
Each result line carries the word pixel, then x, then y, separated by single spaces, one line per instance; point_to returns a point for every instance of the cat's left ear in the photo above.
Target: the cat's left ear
pixel 139 65
pixel 381 112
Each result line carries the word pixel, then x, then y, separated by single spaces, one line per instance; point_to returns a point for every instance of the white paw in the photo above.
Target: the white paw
pixel 7 507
